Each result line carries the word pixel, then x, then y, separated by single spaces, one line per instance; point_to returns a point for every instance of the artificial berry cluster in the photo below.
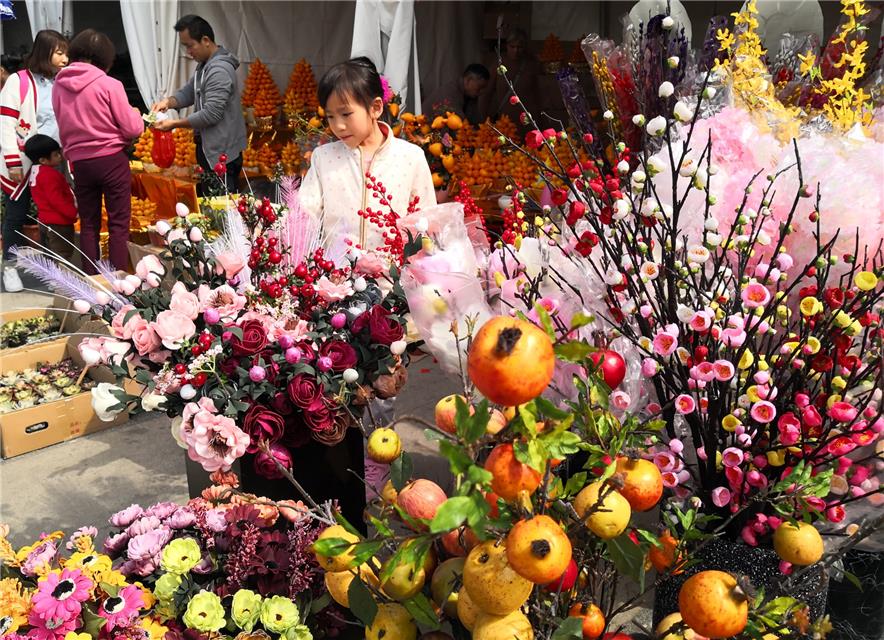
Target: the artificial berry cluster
pixel 513 217
pixel 262 212
pixel 264 253
pixel 387 222
pixel 202 344
pixel 471 211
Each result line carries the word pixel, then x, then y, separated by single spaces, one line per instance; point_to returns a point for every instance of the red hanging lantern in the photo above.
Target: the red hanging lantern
pixel 163 151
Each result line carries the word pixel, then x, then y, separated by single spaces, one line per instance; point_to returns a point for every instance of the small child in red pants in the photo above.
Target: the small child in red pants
pixel 56 208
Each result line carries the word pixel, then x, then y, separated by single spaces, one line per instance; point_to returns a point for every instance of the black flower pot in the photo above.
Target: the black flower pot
pixel 762 567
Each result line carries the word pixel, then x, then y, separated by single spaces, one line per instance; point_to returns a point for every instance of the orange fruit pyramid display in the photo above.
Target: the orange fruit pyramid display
pixel 261 91
pixel 300 95
pixel 185 148
pixel 552 50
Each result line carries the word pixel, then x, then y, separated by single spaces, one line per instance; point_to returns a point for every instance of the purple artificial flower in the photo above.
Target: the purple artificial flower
pixel 182 518
pixel 42 554
pixel 127 516
pixel 143 525
pixel 116 543
pixel 90 531
pixel 162 510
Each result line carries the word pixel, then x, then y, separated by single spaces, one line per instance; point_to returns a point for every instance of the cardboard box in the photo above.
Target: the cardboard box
pixel 60 308
pixel 42 425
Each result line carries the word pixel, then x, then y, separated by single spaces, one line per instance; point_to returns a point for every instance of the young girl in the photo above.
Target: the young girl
pixel 352 95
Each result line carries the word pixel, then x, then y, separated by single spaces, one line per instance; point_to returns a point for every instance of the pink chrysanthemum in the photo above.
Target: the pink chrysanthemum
pixel 50 628
pixel 60 596
pixel 121 609
pixel 388 91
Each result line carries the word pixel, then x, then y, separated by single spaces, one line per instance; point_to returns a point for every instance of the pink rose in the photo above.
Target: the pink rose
pixel 144 338
pixel 329 291
pixel 370 264
pixel 173 328
pixel 223 299
pixel 118 327
pixel 231 262
pixel 150 264
pixel 184 302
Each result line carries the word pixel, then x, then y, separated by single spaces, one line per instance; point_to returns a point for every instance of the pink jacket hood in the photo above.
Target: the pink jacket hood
pixel 93 113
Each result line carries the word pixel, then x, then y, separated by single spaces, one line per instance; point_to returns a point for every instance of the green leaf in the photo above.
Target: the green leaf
pixel 364 551
pixel 549 410
pixel 341 520
pixel 320 603
pixel 575 483
pixel 532 453
pixel 853 579
pixel 331 546
pixel 571 627
pixel 580 319
pixel 92 622
pixel 422 611
pixel 476 475
pixel 456 455
pixel 452 513
pixel 573 351
pixel 628 557
pixel 109 589
pixel 382 527
pixel 477 424
pixel 401 470
pixel 545 321
pixel 647 536
pixel 560 445
pixel 362 603
pixel 236 331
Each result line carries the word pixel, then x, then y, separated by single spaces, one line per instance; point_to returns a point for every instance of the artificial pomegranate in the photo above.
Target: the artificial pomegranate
pixel 467 611
pixel 496 422
pixel 712 604
pixel 663 557
pixel 491 498
pixel 338 583
pixel 341 561
pixel 421 498
pixel 672 627
pixel 511 361
pixel 493 585
pixel 538 549
pixel 460 541
pixel 611 367
pixel 509 476
pixel 445 577
pixel 593 619
pixel 512 625
pixel 392 622
pixel 798 543
pixel 566 581
pixel 642 483
pixel 610 518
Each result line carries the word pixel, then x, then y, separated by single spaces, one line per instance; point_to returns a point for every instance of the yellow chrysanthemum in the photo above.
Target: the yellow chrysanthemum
pixel 155 630
pixel 149 598
pixel 90 563
pixel 15 603
pixel 111 577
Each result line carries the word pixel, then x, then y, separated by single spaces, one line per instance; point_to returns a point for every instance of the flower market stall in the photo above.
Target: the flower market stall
pixel 663 313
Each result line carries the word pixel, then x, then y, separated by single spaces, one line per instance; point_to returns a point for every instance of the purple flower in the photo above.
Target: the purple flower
pixel 162 510
pixel 115 544
pixel 143 525
pixel 144 550
pixel 215 520
pixel 181 519
pixel 204 566
pixel 42 555
pixel 92 532
pixel 127 516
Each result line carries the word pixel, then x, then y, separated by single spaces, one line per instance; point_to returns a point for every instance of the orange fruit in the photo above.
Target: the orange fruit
pixel 663 558
pixel 538 549
pixel 509 476
pixel 593 619
pixel 642 483
pixel 712 604
pixel 798 543
pixel 435 149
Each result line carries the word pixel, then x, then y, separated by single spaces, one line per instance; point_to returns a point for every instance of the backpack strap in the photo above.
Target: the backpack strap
pixel 22 86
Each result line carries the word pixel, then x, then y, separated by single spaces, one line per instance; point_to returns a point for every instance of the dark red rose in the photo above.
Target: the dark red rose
pixel 262 423
pixel 320 417
pixel 228 366
pixel 381 327
pixel 341 354
pixel 305 391
pixel 281 404
pixel 265 465
pixel 254 339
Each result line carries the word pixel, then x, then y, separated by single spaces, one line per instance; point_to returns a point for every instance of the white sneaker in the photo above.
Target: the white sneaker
pixel 11 281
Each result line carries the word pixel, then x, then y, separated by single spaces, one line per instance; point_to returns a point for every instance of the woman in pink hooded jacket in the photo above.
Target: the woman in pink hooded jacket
pixel 96 125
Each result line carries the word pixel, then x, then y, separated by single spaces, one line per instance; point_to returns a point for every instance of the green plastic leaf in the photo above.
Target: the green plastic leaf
pixel 456 455
pixel 573 351
pixel 549 410
pixel 545 321
pixel 401 470
pixel 575 483
pixel 422 611
pixel 452 513
pixel 477 424
pixel 364 551
pixel 571 627
pixel 362 603
pixel 320 603
pixel 92 622
pixel 331 546
pixel 476 475
pixel 532 453
pixel 580 319
pixel 382 527
pixel 109 589
pixel 628 557
pixel 852 579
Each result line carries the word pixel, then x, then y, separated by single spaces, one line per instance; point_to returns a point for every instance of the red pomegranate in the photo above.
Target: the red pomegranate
pixel 421 498
pixel 611 366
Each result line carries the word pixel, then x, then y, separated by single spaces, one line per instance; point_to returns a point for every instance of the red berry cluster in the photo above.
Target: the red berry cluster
pixel 387 222
pixel 512 224
pixel 262 212
pixel 471 211
pixel 265 253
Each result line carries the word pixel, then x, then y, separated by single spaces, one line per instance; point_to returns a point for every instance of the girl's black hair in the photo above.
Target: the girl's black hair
pixel 357 79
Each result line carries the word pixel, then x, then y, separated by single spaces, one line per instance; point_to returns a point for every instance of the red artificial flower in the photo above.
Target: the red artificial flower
pixel 834 297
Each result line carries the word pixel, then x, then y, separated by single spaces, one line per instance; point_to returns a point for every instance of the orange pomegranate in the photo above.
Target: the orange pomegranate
pixel 509 476
pixel 712 604
pixel 511 361
pixel 593 619
pixel 491 498
pixel 538 549
pixel 642 482
pixel 664 557
pixel 421 498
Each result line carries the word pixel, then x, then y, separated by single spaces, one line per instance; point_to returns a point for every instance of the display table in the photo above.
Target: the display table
pixel 165 191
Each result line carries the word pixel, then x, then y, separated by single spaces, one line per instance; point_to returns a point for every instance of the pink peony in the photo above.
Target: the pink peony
pixel 126 516
pixel 184 302
pixel 174 329
pixel 685 404
pixel 732 457
pixel 755 295
pixel 329 291
pixel 144 524
pixel 223 299
pixel 231 262
pixel 120 328
pixel 215 441
pixel 370 264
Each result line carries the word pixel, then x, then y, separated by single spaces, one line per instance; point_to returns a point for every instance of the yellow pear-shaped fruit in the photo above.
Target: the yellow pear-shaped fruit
pixel 392 622
pixel 512 625
pixel 341 561
pixel 611 517
pixel 338 583
pixel 798 543
pixel 467 611
pixel 493 585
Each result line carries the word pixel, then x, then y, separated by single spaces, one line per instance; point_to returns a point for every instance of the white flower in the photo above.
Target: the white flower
pixel 608 115
pixel 350 376
pixel 665 90
pixel 621 209
pixel 684 313
pixel 639 176
pixel 701 178
pixel 176 431
pixel 655 164
pixel 613 277
pixel 709 93
pixel 153 401
pixel 672 61
pixel 713 239
pixel 623 167
pixel 687 167
pixel 187 392
pixel 711 224
pixel 648 208
pixel 181 209
pixel 668 23
pixel 91 357
pixel 656 127
pixel 649 270
pixel 103 399
pixel 398 347
pixel 682 112
pixel 698 254
pixel 359 284
pixel 421 225
pixel 638 120
pixel 763 238
pixel 628 307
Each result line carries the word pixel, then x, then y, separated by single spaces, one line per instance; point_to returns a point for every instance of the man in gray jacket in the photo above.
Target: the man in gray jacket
pixel 214 92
